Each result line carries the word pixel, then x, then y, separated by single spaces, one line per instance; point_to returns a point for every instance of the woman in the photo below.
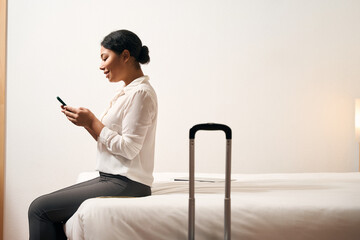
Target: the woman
pixel 125 136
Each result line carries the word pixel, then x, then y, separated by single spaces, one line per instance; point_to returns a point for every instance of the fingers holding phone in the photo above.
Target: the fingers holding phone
pixel 69 112
pixel 82 117
pixel 79 116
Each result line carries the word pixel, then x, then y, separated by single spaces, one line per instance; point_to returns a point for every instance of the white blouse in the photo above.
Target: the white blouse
pixel 126 144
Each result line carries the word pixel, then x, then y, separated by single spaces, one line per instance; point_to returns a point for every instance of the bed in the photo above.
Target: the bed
pixel 319 206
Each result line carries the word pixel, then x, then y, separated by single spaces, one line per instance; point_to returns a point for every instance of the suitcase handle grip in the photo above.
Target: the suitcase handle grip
pixel 210 127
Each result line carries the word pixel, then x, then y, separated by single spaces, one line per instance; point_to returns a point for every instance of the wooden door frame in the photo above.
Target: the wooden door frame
pixel 3 38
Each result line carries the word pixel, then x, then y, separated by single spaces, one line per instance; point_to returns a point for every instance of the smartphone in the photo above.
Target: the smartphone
pixel 61 101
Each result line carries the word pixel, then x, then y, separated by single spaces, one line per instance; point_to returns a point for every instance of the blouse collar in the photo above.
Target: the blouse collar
pixel 136 82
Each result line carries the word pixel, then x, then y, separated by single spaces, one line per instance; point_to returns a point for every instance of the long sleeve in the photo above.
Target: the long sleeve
pixel 138 117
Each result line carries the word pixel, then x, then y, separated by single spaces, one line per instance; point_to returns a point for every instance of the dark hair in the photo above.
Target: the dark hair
pixel 120 40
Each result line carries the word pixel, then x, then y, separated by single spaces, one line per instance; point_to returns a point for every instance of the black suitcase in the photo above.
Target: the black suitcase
pixel 227 202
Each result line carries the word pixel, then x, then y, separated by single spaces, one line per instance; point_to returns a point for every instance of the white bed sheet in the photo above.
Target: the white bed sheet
pixel 264 206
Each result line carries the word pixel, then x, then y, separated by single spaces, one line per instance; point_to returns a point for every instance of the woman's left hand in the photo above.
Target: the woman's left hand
pixel 79 116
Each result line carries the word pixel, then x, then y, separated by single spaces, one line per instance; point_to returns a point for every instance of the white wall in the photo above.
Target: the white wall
pixel 282 74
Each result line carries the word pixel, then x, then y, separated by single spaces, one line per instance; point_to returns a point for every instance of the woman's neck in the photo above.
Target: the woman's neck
pixel 133 75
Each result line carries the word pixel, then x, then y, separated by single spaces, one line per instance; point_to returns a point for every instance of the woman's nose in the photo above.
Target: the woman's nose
pixel 102 67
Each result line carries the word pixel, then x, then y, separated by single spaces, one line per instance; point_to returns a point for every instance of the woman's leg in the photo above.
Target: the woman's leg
pixel 48 212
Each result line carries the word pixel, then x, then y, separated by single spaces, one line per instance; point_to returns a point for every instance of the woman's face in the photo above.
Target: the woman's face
pixel 112 64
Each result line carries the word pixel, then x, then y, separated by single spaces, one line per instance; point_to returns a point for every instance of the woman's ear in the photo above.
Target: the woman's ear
pixel 126 55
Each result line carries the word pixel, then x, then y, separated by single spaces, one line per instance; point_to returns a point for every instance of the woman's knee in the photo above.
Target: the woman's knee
pixel 37 207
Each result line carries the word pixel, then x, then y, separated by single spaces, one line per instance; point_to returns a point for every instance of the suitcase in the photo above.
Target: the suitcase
pixel 227 202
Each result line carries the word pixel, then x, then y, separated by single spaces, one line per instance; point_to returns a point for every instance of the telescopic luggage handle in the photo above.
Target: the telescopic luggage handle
pixel 227 201
pixel 210 127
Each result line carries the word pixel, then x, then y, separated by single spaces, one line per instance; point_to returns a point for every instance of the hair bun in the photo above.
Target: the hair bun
pixel 144 55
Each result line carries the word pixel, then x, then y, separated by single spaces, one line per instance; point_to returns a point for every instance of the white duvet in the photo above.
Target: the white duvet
pixel 263 206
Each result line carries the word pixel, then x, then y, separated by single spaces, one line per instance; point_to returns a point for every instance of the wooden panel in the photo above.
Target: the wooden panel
pixel 3 32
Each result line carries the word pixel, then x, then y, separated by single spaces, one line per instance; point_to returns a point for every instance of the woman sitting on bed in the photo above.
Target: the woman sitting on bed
pixel 125 136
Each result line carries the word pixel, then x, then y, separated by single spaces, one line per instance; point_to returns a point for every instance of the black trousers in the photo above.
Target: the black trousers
pixel 48 213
